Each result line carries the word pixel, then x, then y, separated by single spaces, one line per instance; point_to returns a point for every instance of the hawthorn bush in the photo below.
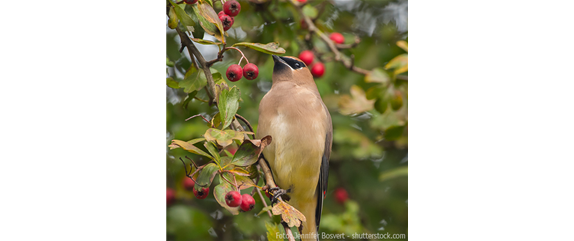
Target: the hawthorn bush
pixel 219 67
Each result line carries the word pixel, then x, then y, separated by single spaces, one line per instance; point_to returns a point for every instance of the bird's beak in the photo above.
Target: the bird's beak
pixel 278 59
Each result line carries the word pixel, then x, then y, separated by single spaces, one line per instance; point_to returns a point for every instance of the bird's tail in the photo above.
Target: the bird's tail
pixel 309 231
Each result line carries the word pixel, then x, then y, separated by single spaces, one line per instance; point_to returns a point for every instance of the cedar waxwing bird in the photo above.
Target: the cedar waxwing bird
pixel 294 115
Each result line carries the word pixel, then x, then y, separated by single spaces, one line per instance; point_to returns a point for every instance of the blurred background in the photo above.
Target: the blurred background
pixel 368 184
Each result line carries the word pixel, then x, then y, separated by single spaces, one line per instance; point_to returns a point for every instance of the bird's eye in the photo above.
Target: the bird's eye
pixel 296 65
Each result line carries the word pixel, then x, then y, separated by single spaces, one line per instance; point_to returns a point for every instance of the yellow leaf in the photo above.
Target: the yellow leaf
pixel 356 103
pixel 399 63
pixel 288 213
pixel 403 45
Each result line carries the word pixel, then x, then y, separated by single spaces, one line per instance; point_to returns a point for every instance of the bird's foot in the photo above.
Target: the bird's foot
pixel 278 192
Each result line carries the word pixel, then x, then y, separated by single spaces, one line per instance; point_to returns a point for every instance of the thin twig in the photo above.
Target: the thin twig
pixel 263 201
pixel 197 116
pixel 235 185
pixel 184 166
pixel 191 161
pixel 246 123
pixel 202 100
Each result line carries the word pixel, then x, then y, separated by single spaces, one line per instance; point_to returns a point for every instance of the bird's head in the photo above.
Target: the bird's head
pixel 288 68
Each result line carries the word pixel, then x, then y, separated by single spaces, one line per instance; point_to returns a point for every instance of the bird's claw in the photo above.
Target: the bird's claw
pixel 278 192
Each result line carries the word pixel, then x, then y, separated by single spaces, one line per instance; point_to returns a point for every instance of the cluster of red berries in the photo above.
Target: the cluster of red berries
pixel 233 198
pixel 190 1
pixel 230 10
pixel 235 72
pixel 317 69
pixel 245 201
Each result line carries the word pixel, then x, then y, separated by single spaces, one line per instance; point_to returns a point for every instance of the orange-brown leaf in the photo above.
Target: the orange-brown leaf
pixel 288 213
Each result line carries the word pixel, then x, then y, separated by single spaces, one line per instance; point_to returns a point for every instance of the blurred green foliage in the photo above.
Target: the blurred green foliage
pixel 369 157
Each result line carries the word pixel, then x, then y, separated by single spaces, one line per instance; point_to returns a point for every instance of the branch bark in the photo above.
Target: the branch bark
pixel 204 66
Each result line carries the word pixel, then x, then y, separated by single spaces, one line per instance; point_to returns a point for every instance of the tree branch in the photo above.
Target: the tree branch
pixel 331 44
pixel 194 52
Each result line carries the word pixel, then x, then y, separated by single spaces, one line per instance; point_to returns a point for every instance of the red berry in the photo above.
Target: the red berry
pixel 250 71
pixel 231 8
pixel 337 38
pixel 233 198
pixel 201 194
pixel 220 13
pixel 170 196
pixel 190 1
pixel 234 73
pixel 227 21
pixel 307 57
pixel 341 195
pixel 247 202
pixel 188 183
pixel 302 1
pixel 318 69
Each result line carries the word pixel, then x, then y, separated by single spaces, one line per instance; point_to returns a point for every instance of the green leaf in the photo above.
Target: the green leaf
pixel 188 98
pixel 381 105
pixel 375 92
pixel 310 11
pixel 270 48
pixel 217 77
pixel 228 104
pixel 172 83
pixel 272 229
pixel 188 146
pixel 223 138
pixel 184 19
pixel 394 132
pixel 219 193
pixel 242 182
pixel 377 75
pixel 206 176
pixel 246 155
pixel 168 62
pixel 209 20
pixel 203 41
pixel 397 172
pixel 216 120
pixel 172 22
pixel 213 151
pixel 193 82
pixel 396 100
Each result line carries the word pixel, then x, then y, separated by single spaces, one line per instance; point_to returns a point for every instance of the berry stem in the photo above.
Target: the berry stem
pixel 242 55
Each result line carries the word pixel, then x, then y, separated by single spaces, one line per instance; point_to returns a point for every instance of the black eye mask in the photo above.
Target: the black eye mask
pixel 295 64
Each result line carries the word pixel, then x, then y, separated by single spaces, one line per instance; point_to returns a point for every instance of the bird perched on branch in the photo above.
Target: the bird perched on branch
pixel 294 115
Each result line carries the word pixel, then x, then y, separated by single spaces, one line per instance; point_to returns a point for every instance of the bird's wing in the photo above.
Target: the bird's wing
pixel 324 174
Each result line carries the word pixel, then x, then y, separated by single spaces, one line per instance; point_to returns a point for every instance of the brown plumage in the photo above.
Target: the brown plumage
pixel 293 113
